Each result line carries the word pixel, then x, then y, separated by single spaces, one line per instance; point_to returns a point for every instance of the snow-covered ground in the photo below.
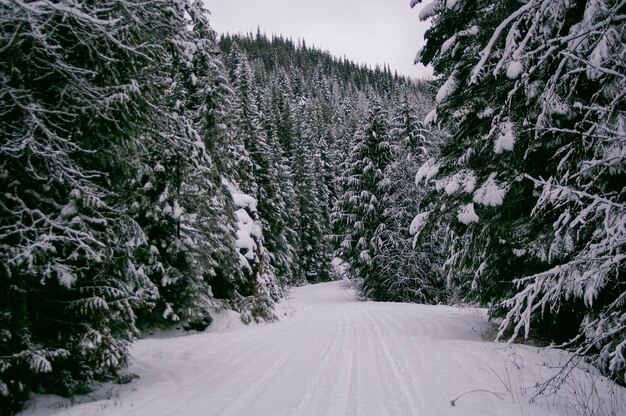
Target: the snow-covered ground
pixel 331 355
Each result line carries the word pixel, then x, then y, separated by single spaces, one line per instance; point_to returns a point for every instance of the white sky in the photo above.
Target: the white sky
pixel 365 31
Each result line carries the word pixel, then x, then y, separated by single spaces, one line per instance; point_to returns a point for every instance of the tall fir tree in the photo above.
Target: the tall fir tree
pixel 531 93
pixel 280 220
pixel 265 164
pixel 360 215
pixel 75 99
pixel 185 209
pixel 412 265
pixel 308 170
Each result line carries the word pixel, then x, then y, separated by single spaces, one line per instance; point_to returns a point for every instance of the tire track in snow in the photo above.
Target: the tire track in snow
pixel 371 379
pixel 339 398
pixel 166 377
pixel 178 381
pixel 242 399
pixel 398 370
pixel 313 385
pixel 334 357
pixel 176 397
pixel 335 387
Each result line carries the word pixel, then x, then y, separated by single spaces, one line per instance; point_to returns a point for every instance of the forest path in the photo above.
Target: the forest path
pixel 330 355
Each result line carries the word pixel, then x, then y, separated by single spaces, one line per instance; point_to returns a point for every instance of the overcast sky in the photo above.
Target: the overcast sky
pixel 365 31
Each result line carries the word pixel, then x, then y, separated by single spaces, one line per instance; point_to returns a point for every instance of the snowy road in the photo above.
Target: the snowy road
pixel 331 356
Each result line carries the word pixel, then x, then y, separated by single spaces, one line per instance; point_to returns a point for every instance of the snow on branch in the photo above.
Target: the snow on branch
pixel 584 276
pixel 427 171
pixel 486 52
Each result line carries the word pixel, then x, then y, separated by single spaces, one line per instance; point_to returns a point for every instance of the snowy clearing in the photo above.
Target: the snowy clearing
pixel 333 355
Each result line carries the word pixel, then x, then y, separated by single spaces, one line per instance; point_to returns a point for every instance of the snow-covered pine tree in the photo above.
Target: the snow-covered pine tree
pixel 280 220
pixel 282 98
pixel 412 265
pixel 249 128
pixel 74 92
pixel 360 214
pixel 314 105
pixel 533 94
pixel 189 219
pixel 208 104
pixel 308 172
pixel 347 116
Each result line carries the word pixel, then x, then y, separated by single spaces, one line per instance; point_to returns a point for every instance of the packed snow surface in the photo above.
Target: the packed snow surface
pixel 331 355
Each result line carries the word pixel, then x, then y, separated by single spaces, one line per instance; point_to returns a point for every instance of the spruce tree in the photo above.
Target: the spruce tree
pixel 308 170
pixel 412 264
pixel 360 214
pixel 75 89
pixel 531 93
pixel 184 207
pixel 264 160
pixel 276 209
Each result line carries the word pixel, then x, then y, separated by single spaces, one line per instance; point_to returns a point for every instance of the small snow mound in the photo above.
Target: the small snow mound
pixel 418 223
pixel 64 275
pixel 467 215
pixel 490 194
pixel 448 44
pixel 247 229
pixel 245 201
pixel 447 89
pixel 431 117
pixel 427 171
pixel 429 10
pixel 506 139
pixel 514 70
pixel 461 181
pixel 340 268
pixel 453 186
pixel 469 182
pixel 225 321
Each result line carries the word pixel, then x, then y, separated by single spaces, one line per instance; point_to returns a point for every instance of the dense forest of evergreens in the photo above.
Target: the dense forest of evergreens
pixel 153 174
pixel 527 192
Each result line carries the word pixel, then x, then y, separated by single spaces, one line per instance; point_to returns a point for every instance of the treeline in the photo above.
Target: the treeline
pixel 153 175
pixel 304 114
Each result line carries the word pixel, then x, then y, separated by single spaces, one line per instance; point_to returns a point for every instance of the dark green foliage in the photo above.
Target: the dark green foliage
pixel 111 210
pixel 124 151
pixel 69 287
pixel 361 215
pixel 308 106
pixel 532 94
pixel 413 264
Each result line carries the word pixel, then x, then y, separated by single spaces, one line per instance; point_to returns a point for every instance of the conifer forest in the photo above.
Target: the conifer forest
pixel 157 177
